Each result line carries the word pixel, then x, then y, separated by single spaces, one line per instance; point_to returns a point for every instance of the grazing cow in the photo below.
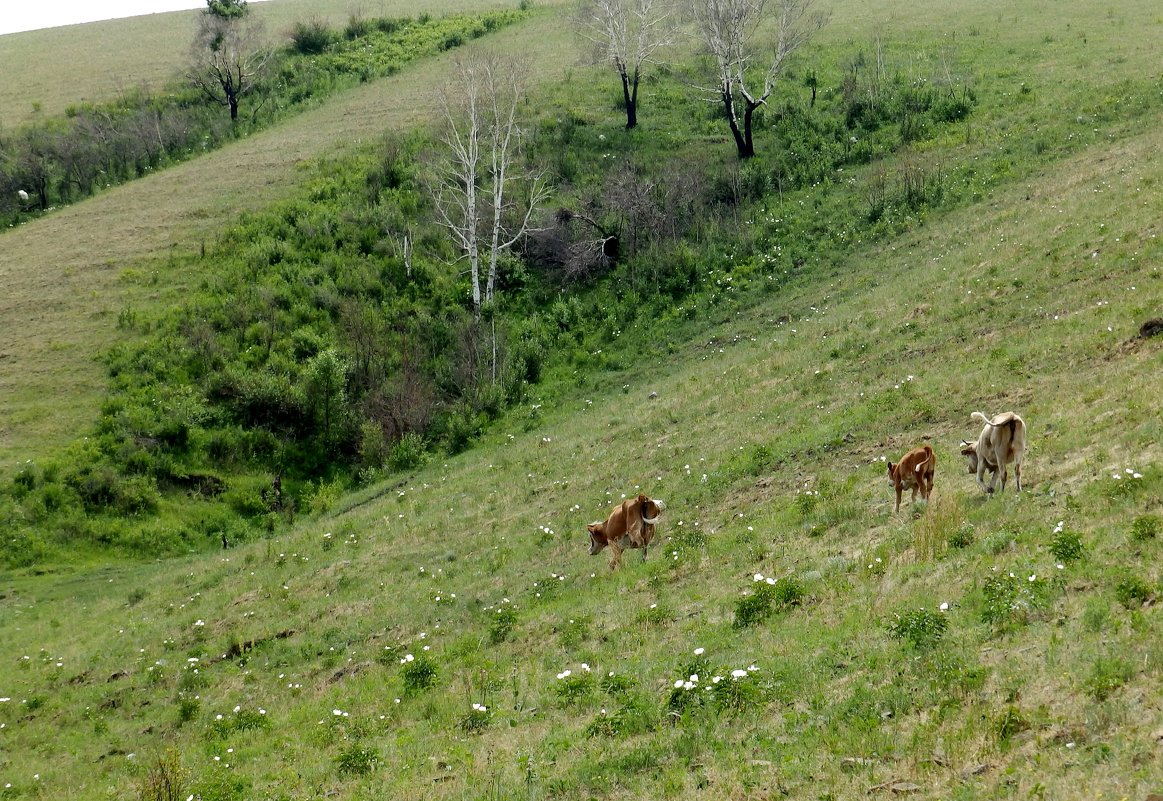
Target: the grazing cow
pixel 630 525
pixel 1002 440
pixel 914 471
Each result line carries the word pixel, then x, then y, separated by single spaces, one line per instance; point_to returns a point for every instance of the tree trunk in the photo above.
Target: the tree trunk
pixel 232 100
pixel 630 95
pixel 748 149
pixel 733 121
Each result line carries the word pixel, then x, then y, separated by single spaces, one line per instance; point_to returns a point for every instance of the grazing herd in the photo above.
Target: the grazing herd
pixel 1001 442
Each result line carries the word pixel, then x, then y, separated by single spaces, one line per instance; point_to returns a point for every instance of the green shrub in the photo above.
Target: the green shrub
pixel 1009 723
pixel 311 37
pixel 1009 599
pixel 1146 527
pixel 407 452
pixel 357 760
pixel 501 625
pixel 1132 591
pixel 923 628
pixel 768 597
pixel 962 536
pixel 238 720
pixel 164 779
pixel 418 674
pixel 323 495
pixel 1106 676
pixel 573 687
pixel 1066 546
pixel 477 719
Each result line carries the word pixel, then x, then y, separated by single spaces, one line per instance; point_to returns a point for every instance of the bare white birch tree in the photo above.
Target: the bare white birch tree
pixel 472 187
pixel 626 34
pixel 729 29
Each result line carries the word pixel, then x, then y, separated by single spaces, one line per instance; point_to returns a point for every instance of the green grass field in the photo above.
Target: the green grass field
pixel 969 648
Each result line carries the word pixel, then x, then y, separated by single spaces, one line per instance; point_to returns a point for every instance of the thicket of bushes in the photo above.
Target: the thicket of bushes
pixel 314 356
pixel 94 146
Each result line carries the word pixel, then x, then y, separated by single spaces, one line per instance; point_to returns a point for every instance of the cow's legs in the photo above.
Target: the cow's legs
pixel 616 549
pixel 1018 475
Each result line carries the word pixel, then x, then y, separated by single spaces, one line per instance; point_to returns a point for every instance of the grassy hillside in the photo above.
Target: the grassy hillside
pixel 273 671
pixel 69 274
pixel 282 669
pixel 95 62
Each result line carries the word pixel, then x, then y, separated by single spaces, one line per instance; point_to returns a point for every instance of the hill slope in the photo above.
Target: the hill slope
pixel 282 669
pixel 70 274
pixel 275 669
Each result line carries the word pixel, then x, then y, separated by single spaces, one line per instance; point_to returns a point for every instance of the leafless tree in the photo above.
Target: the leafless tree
pixel 729 29
pixel 473 184
pixel 626 34
pixel 228 57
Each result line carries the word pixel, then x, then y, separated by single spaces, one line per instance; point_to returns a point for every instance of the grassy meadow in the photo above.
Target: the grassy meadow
pixel 444 634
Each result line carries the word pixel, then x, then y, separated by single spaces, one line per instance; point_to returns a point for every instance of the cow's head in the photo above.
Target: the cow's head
pixel 969 451
pixel 891 474
pixel 651 509
pixel 597 531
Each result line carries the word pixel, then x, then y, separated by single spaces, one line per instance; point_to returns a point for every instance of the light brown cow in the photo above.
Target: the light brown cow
pixel 1002 441
pixel 914 471
pixel 630 525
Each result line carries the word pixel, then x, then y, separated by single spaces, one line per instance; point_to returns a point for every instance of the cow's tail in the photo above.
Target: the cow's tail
pixel 981 417
pixel 928 459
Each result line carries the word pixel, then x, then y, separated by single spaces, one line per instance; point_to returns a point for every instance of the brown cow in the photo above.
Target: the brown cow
pixel 630 525
pixel 1003 440
pixel 914 471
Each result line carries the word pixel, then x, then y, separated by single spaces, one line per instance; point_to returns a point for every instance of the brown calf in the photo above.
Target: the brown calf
pixel 914 471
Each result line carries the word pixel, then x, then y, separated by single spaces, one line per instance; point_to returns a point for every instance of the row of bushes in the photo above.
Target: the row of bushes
pixel 95 146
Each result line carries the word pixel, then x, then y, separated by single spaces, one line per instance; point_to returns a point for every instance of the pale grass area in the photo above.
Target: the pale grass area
pixel 97 61
pixel 64 273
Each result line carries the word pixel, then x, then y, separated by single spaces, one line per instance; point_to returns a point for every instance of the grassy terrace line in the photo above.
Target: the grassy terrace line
pixel 96 146
pixel 442 633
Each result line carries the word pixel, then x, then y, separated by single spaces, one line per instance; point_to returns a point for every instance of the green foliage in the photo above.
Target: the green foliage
pixel 407 452
pixel 356 759
pixel 1146 527
pixel 1107 675
pixel 922 628
pixel 768 597
pixel 239 719
pixel 1009 723
pixel 1132 591
pixel 1067 546
pixel 962 536
pixel 1009 599
pixel 419 673
pixel 477 720
pixel 501 624
pixel 311 37
pixel 227 9
pixel 573 688
pixel 98 145
pixel 164 779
